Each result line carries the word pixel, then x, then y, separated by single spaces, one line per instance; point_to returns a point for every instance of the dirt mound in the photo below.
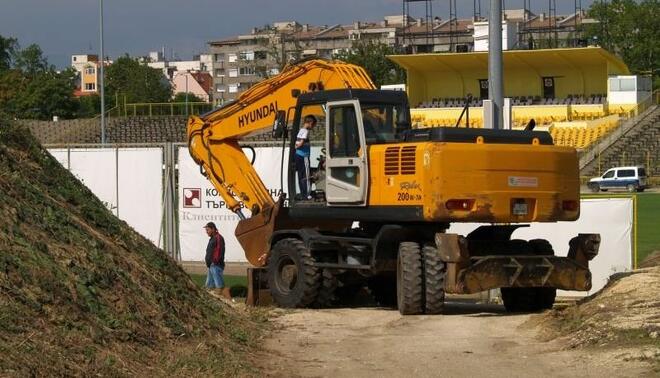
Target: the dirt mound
pixel 81 293
pixel 625 313
pixel 651 260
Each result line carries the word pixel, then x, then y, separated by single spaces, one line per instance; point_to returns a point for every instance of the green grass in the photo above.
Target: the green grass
pixel 648 222
pixel 230 281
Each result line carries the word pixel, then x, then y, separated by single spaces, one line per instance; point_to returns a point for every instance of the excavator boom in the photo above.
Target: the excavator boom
pixel 213 140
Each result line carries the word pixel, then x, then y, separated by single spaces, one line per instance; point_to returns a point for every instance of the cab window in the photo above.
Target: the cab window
pixel 344 133
pixel 383 123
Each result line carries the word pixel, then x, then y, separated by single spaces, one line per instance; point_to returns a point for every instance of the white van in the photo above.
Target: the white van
pixel 629 178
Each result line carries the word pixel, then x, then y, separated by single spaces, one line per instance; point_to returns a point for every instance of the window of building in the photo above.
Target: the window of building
pixel 233 72
pixel 260 55
pixel 219 88
pixel 219 72
pixel 246 55
pixel 232 58
pixel 233 88
pixel 627 85
pixel 246 70
pixel 90 71
pixel 273 71
pixel 219 57
pixel 90 86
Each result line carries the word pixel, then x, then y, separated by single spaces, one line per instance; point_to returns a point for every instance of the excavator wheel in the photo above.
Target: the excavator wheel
pixel 434 277
pixel 327 296
pixel 545 296
pixel 541 247
pixel 519 299
pixel 383 289
pixel 528 299
pixel 409 279
pixel 292 277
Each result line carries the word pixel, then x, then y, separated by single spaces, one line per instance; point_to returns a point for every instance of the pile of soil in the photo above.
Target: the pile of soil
pixel 81 293
pixel 624 314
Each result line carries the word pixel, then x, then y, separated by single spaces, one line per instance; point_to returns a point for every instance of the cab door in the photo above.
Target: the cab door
pixel 347 171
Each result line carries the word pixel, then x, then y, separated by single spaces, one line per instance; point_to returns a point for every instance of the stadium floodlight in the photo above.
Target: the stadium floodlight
pixel 102 72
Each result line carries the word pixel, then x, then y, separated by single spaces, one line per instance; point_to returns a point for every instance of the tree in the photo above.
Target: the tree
pixel 8 47
pixel 181 97
pixel 373 57
pixel 31 61
pixel 631 30
pixel 136 81
pixel 46 95
pixel 89 106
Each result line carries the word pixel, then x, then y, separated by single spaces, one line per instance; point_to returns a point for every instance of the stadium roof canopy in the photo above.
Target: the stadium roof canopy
pixel 576 71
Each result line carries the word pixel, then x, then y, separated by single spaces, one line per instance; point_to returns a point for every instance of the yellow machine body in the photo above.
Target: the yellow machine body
pixel 476 182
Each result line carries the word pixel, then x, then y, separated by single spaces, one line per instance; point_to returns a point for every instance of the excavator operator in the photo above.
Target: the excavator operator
pixel 303 152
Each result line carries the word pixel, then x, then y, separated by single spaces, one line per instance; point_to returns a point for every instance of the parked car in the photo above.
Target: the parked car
pixel 629 178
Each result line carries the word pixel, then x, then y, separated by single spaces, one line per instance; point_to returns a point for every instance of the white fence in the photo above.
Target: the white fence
pixel 128 180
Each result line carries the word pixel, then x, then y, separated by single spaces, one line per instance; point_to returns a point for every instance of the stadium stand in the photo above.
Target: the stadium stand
pixel 563 90
pixel 636 142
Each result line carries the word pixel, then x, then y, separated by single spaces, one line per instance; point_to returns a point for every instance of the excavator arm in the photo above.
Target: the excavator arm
pixel 213 142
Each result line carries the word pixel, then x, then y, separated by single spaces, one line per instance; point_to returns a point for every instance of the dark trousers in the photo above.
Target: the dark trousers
pixel 302 169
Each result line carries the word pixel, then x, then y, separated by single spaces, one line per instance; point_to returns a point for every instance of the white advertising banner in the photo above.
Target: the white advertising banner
pixel 140 197
pixel 97 169
pixel 612 218
pixel 200 203
pixel 129 181
pixel 61 155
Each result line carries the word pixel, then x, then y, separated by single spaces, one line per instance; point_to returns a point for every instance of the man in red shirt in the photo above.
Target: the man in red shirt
pixel 215 260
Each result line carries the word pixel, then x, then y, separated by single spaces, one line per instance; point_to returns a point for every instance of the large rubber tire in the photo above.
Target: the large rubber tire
pixel 545 297
pixel 292 277
pixel 327 296
pixel 435 272
pixel 383 289
pixel 541 247
pixel 519 299
pixel 528 299
pixel 409 279
pixel 531 299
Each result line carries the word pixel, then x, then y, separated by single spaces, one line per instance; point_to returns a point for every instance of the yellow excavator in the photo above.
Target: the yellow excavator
pixel 379 215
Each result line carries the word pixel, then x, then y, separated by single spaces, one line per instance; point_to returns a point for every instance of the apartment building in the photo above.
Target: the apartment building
pixel 88 73
pixel 239 62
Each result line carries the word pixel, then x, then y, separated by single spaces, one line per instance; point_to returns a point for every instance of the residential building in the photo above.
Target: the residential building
pixel 170 68
pixel 198 83
pixel 86 67
pixel 239 62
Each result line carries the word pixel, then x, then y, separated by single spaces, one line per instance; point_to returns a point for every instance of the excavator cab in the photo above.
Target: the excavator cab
pixel 351 120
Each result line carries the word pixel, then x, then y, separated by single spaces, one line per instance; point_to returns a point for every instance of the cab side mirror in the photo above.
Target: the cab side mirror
pixel 279 126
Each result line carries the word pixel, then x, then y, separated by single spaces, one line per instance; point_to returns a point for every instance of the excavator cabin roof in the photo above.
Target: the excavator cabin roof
pixel 363 95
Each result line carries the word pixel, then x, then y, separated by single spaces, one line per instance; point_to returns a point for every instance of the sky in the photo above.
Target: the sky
pixel 66 27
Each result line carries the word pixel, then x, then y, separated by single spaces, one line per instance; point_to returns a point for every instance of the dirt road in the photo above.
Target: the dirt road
pixel 468 341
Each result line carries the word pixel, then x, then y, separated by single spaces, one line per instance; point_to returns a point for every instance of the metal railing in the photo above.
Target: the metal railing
pixel 164 109
pixel 632 118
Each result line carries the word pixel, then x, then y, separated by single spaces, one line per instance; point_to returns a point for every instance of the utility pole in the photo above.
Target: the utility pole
pixel 187 73
pixel 495 79
pixel 102 75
